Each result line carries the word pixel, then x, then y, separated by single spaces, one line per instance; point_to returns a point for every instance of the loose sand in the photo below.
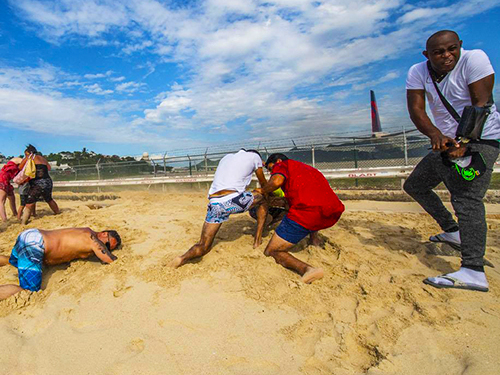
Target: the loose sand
pixel 236 311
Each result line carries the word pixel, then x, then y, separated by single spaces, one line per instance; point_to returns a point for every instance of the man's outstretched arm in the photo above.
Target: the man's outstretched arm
pixel 275 182
pixel 101 251
pixel 418 115
pixel 260 176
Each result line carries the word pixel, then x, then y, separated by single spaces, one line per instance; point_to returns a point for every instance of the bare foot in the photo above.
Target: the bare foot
pixel 257 243
pixel 312 274
pixel 177 262
pixel 314 240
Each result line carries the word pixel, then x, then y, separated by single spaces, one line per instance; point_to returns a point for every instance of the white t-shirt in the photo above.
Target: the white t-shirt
pixel 235 171
pixel 471 67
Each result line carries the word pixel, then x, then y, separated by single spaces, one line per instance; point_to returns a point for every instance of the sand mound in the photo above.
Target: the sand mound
pixel 236 311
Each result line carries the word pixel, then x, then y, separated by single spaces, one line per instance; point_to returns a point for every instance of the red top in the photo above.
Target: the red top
pixel 8 172
pixel 313 204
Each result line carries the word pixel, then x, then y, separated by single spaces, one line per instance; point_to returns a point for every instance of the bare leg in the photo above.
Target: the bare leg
pixel 4 260
pixel 12 202
pixel 53 205
pixel 27 213
pixel 8 290
pixel 202 247
pixel 3 198
pixel 262 208
pixel 20 212
pixel 278 249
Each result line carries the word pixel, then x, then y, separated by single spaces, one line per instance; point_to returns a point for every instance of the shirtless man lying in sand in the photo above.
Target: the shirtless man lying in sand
pixel 228 196
pixel 35 246
pixel 313 206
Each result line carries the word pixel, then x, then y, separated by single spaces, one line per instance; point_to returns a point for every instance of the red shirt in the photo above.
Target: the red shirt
pixel 7 173
pixel 313 204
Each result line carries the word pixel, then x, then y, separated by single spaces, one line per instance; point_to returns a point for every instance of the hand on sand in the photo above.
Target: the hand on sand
pixel 312 274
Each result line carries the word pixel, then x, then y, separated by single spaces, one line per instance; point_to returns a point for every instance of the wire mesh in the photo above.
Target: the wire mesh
pixel 323 153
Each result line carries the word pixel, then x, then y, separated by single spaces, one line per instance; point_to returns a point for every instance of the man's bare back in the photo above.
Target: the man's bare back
pixel 35 246
pixel 64 245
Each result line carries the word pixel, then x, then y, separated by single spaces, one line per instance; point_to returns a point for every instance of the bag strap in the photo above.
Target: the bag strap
pixel 445 102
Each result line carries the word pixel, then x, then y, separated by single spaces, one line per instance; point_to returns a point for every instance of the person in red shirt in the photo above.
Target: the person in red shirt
pixel 313 206
pixel 7 173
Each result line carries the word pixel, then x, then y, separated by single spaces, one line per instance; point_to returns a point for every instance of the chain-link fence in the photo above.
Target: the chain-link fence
pixel 328 153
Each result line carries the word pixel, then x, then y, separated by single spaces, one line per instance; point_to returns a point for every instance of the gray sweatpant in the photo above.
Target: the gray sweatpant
pixel 466 198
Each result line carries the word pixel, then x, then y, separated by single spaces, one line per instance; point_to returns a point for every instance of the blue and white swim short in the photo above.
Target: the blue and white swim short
pixel 220 208
pixel 27 256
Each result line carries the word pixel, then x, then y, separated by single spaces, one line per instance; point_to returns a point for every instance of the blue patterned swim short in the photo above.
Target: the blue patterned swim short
pixel 219 209
pixel 27 256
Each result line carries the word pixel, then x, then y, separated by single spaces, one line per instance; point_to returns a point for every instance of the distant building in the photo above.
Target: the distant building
pixel 61 167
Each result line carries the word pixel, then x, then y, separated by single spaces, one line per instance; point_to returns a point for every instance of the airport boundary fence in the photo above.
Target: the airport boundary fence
pixel 348 162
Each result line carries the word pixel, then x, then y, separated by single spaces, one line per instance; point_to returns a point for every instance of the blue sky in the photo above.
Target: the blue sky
pixel 124 77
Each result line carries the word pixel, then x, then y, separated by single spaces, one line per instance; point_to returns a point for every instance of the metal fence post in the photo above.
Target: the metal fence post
pixel 98 174
pixel 405 146
pixel 154 167
pixel 98 171
pixel 206 161
pixel 190 166
pixel 313 157
pixel 165 163
pixel 355 159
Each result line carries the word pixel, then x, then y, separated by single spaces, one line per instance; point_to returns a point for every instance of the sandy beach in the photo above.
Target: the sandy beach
pixel 236 311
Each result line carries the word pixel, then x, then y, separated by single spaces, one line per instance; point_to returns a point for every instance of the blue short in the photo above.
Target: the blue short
pixel 27 257
pixel 291 231
pixel 220 208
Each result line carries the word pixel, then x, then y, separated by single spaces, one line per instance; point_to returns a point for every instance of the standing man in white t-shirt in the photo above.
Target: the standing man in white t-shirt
pixel 464 78
pixel 227 196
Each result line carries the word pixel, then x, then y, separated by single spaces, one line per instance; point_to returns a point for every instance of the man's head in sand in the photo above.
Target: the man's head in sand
pixel 443 50
pixel 110 238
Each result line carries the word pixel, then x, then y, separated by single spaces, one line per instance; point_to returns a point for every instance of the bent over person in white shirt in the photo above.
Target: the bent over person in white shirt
pixel 464 78
pixel 227 196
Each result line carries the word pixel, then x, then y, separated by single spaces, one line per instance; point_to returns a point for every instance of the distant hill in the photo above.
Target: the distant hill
pixel 84 157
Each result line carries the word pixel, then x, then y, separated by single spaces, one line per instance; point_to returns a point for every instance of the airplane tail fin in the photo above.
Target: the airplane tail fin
pixel 376 126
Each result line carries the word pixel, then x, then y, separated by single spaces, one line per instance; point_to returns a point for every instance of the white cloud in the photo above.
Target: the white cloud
pixel 386 78
pixel 29 99
pixel 137 47
pixel 58 115
pixel 256 60
pixel 83 17
pixel 459 9
pixel 129 87
pixel 98 75
pixel 96 89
